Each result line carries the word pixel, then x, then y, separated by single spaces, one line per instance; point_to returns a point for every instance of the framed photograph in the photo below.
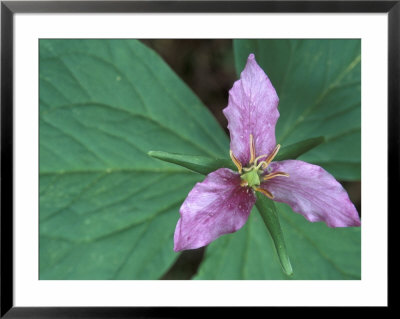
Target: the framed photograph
pixel 163 155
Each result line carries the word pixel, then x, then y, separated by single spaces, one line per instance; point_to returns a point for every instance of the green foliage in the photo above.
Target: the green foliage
pixel 293 151
pixel 108 210
pixel 199 164
pixel 269 214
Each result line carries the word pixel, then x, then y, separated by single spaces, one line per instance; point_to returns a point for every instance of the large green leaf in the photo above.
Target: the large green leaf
pixel 315 251
pixel 319 86
pixel 108 210
pixel 318 82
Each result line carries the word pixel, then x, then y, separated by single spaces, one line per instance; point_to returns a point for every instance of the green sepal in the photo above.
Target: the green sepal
pixel 199 164
pixel 293 151
pixel 205 165
pixel 268 212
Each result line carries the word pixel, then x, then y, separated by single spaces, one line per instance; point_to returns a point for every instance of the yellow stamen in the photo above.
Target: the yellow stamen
pixel 265 192
pixel 263 164
pixel 243 183
pixel 271 156
pixel 236 161
pixel 252 149
pixel 265 155
pixel 272 175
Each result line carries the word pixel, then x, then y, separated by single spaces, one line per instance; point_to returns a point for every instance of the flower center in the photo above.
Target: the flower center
pixel 251 178
pixel 253 175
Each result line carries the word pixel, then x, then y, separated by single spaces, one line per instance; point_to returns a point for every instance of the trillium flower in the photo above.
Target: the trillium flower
pixel 221 204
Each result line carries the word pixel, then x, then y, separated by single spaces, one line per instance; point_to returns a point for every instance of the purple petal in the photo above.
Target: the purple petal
pixel 216 206
pixel 312 192
pixel 252 109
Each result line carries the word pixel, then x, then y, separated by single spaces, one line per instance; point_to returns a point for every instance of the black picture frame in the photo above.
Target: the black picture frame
pixel 9 8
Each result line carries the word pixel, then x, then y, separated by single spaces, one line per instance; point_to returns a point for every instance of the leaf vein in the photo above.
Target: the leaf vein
pixel 216 142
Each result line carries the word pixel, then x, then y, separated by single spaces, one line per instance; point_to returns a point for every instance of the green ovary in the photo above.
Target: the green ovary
pixel 252 178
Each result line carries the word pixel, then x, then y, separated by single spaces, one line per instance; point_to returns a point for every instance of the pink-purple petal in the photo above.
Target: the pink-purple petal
pixel 214 207
pixel 252 109
pixel 312 192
